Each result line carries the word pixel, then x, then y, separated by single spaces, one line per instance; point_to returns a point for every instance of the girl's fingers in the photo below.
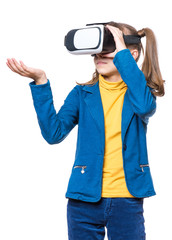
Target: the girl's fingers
pixel 15 67
pixel 115 31
pixel 24 66
pixel 12 66
pixel 118 37
pixel 18 66
pixel 28 70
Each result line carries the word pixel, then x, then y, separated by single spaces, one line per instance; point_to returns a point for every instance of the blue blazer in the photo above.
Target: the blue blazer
pixel 83 107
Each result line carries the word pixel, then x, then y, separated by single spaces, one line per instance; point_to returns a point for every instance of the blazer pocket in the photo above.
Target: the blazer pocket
pixel 82 168
pixel 143 166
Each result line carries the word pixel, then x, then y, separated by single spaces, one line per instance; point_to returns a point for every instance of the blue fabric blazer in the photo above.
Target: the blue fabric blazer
pixel 83 107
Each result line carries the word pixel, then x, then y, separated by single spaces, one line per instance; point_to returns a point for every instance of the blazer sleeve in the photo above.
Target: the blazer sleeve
pixel 55 126
pixel 142 100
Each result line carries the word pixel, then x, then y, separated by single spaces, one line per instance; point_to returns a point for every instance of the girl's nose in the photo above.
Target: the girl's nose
pixel 98 55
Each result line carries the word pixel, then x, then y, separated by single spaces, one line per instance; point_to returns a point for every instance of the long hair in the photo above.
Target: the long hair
pixel 150 66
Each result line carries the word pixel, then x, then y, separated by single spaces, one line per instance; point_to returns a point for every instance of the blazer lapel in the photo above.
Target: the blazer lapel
pixel 94 103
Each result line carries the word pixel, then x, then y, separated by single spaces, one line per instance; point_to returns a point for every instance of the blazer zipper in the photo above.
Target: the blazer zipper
pixel 144 165
pixel 83 167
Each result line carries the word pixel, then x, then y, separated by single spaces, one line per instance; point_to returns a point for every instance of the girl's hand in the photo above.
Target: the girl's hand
pixel 37 75
pixel 118 38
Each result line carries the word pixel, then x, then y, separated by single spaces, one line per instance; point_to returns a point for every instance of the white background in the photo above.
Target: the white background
pixel 34 174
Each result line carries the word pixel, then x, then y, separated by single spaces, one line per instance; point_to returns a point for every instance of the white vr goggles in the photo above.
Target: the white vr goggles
pixel 93 39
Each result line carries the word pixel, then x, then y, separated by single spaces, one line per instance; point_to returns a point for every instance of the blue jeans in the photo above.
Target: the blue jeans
pixel 122 217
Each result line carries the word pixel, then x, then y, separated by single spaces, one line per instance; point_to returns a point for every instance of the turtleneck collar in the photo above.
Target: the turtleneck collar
pixel 112 86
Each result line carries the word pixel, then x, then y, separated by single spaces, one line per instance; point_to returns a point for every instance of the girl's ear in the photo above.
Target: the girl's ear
pixel 134 53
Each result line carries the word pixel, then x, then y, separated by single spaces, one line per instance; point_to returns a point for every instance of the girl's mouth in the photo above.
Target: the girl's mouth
pixel 100 62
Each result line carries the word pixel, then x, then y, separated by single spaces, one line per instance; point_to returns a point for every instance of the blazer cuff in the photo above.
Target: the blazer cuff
pixel 122 58
pixel 41 92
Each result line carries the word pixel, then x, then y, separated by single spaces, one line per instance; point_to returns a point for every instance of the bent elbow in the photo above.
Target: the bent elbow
pixel 55 140
pixel 50 141
pixel 149 109
pixel 147 112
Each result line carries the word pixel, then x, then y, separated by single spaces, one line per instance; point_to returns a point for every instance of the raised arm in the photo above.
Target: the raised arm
pixel 142 100
pixel 54 126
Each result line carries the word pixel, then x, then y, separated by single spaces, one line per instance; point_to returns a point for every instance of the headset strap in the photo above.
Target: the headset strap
pixel 90 24
pixel 132 39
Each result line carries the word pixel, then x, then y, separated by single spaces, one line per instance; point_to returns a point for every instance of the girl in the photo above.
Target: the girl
pixel 111 175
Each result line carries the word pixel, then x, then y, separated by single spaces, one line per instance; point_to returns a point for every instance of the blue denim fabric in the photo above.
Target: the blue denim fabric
pixel 122 217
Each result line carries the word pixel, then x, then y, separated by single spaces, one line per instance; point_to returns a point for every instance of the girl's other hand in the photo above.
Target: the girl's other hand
pixel 37 75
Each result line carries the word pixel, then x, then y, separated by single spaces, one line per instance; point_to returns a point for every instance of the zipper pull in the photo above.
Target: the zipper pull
pixel 82 171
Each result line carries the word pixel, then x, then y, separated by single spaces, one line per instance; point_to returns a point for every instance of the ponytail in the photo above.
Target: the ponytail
pixel 150 66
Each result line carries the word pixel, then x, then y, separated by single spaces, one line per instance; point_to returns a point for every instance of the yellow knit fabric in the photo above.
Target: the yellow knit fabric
pixel 112 95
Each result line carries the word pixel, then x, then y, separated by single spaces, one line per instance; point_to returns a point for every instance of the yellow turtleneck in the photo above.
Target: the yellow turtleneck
pixel 112 95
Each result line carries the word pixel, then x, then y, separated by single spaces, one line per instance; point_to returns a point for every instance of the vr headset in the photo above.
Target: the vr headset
pixel 93 39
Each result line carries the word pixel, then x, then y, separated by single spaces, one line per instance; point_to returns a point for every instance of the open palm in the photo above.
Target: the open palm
pixel 37 75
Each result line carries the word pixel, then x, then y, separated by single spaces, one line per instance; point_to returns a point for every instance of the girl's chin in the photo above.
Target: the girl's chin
pixel 105 74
